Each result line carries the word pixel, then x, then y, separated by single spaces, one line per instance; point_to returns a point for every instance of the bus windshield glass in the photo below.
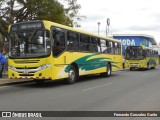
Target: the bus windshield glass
pixel 134 53
pixel 29 44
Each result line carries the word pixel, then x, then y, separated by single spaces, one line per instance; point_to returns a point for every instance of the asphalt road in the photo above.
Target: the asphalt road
pixel 123 91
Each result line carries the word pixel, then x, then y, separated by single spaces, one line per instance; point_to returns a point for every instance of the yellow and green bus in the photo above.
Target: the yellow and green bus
pixel 44 50
pixel 140 57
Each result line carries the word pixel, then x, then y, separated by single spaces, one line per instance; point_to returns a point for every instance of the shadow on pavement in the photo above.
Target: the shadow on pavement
pixel 58 83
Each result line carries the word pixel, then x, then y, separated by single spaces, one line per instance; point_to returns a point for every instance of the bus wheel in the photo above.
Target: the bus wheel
pixel 154 67
pixel 72 75
pixel 108 71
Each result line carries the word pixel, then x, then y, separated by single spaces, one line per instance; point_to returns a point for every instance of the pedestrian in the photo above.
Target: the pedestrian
pixel 2 61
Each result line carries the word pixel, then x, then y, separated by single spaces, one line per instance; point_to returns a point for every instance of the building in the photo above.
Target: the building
pixel 135 40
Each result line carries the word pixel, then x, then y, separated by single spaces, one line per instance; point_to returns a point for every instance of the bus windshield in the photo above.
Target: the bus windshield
pixel 29 44
pixel 134 53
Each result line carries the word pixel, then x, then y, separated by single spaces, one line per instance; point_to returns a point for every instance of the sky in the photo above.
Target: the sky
pixel 126 16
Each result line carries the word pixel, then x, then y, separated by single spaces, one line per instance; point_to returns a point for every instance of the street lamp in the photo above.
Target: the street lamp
pixel 107 26
pixel 98 27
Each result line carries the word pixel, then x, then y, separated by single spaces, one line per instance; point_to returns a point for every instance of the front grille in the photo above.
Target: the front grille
pixel 27 68
pixel 26 61
pixel 26 74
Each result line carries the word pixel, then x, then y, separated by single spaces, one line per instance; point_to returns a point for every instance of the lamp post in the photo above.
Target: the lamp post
pixel 107 26
pixel 98 27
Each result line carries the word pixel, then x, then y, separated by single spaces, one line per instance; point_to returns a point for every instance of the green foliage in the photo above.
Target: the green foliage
pixel 12 11
pixel 42 10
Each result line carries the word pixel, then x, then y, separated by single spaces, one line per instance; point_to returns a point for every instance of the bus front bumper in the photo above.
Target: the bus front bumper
pixel 139 65
pixel 43 73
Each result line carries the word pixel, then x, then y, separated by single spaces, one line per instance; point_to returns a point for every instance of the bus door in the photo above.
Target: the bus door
pixel 58 42
pixel 58 48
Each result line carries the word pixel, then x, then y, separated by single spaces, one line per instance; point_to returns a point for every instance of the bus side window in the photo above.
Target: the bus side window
pixel 95 45
pixel 99 45
pixel 103 46
pixel 109 47
pixel 72 40
pixel 144 53
pixel 149 53
pixel 113 48
pixel 119 48
pixel 84 42
pixel 58 42
pixel 116 51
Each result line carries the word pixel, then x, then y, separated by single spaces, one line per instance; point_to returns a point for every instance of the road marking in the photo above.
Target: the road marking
pixel 96 87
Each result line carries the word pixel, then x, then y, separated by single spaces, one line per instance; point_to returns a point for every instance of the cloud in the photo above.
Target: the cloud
pixel 94 17
pixel 137 16
pixel 154 27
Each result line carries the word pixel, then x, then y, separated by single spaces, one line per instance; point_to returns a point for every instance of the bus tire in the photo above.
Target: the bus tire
pixel 154 67
pixel 72 75
pixel 108 71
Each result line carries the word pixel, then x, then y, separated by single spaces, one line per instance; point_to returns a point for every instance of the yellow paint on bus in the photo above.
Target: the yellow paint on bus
pixel 46 50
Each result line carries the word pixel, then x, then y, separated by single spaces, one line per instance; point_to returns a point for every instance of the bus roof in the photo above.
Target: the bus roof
pixel 144 47
pixel 48 24
pixel 80 31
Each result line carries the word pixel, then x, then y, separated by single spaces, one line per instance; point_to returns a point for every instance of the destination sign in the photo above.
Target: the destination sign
pixel 27 26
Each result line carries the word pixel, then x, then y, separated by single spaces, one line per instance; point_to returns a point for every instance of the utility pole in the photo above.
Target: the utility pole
pixel 98 27
pixel 107 26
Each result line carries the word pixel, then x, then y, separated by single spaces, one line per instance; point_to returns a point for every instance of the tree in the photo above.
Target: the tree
pixel 12 11
pixel 41 9
pixel 71 11
pixel 1 38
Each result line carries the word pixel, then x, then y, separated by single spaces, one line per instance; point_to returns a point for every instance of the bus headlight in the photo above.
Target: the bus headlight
pixel 44 66
pixel 12 68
